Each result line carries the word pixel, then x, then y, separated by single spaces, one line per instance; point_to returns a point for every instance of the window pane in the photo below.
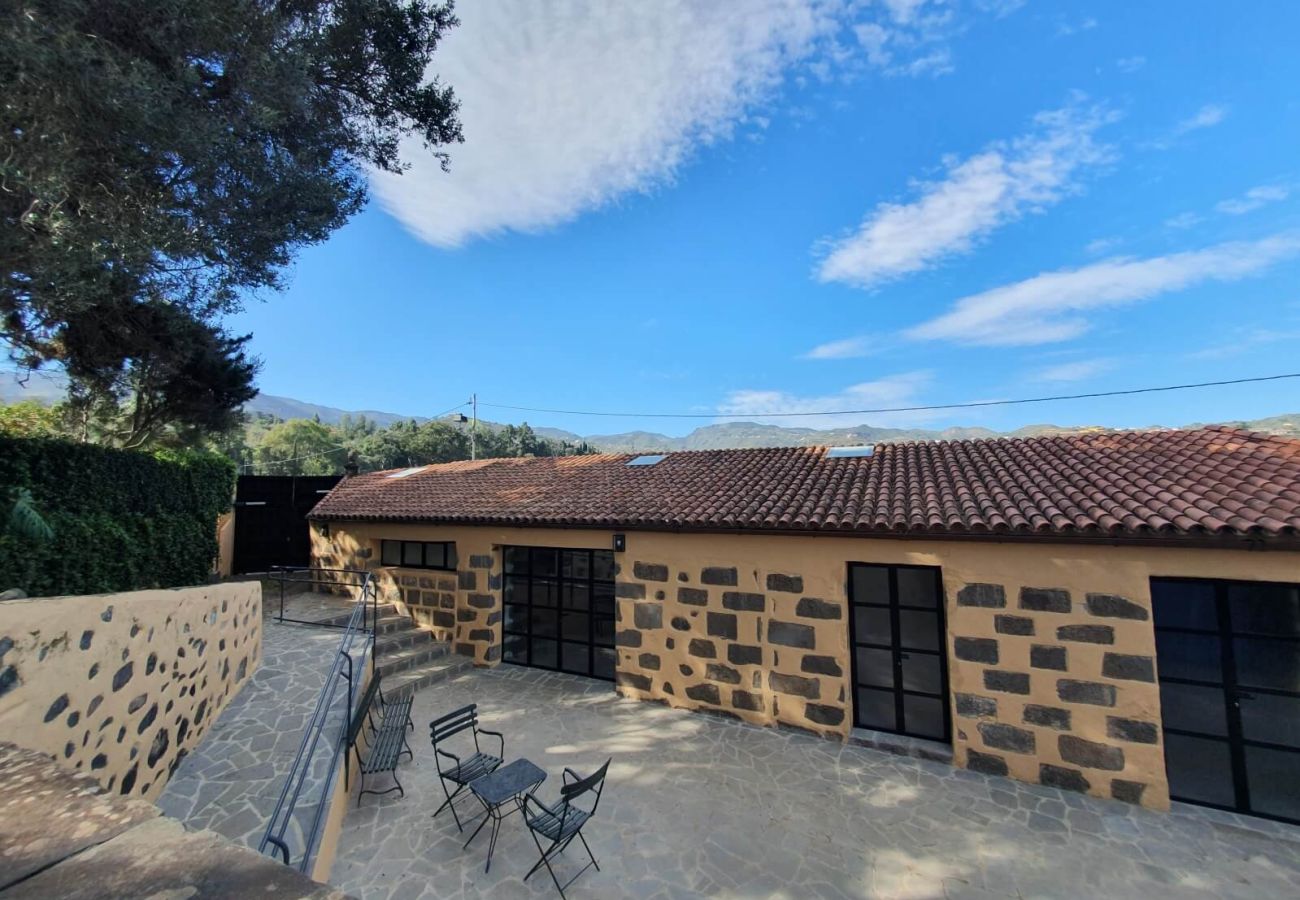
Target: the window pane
pixel 1191 708
pixel 875 667
pixel 606 659
pixel 921 673
pixel 876 709
pixel 514 648
pixel 390 553
pixel 1194 656
pixel 575 658
pixel 546 622
pixel 435 556
pixel 918 630
pixel 451 554
pixel 516 560
pixel 1270 718
pixel 923 716
pixel 544 653
pixel 545 593
pixel 574 626
pixel 576 564
pixel 1184 604
pixel 870 584
pixel 1275 789
pixel 516 589
pixel 1199 769
pixel 603 599
pixel 546 562
pixel 602 565
pixel 516 618
pixel 1265 608
pixel 1267 664
pixel 412 553
pixel 871 625
pixel 605 632
pixel 918 587
pixel 575 596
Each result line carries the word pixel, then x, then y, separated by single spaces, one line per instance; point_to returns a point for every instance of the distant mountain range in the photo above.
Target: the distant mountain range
pixel 729 435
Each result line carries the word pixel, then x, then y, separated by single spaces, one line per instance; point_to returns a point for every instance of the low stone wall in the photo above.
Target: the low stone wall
pixel 122 686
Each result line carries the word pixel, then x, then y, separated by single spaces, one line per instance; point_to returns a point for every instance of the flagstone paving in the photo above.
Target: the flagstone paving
pixel 700 806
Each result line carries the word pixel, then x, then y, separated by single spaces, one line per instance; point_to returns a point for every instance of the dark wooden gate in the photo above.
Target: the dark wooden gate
pixel 270 519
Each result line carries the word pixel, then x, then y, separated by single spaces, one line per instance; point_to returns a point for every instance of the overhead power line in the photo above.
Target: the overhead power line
pixel 894 409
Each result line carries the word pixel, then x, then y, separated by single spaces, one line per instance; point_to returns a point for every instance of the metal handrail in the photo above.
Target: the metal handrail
pixel 360 622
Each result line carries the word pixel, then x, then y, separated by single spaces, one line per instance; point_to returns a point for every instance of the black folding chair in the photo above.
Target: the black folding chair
pixel 562 821
pixel 463 771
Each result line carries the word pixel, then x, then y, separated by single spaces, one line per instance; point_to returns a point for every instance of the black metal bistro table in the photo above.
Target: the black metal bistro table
pixel 506 785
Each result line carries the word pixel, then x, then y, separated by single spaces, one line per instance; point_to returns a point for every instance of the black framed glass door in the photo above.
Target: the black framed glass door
pixel 900 669
pixel 1228 654
pixel 559 609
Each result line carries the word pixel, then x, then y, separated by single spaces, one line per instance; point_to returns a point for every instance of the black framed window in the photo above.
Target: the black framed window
pixel 419 554
pixel 559 609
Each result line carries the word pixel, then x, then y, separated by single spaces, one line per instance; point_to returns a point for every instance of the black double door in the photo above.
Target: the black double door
pixel 1228 654
pixel 900 670
pixel 559 610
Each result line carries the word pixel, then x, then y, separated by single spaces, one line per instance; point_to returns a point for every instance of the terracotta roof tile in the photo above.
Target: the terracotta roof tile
pixel 1212 483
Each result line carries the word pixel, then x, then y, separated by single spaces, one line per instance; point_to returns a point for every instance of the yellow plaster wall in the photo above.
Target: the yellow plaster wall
pixel 655 659
pixel 120 686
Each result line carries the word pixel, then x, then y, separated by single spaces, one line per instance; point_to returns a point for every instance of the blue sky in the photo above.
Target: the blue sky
pixel 804 206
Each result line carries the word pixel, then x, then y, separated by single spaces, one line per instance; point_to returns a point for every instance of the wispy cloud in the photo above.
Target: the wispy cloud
pixel 1243 340
pixel 1080 370
pixel 848 348
pixel 977 195
pixel 1098 246
pixel 911 38
pixel 1206 117
pixel 1053 306
pixel 569 105
pixel 1184 220
pixel 894 390
pixel 1065 29
pixel 1253 199
pixel 1130 64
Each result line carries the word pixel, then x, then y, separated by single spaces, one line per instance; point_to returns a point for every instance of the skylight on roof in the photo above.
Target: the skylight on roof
pixel 849 452
pixel 406 472
pixel 648 460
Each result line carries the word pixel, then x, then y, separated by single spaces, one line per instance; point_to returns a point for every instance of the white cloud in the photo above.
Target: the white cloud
pixel 1081 370
pixel 978 195
pixel 1253 199
pixel 848 348
pixel 1130 64
pixel 1243 340
pixel 1206 117
pixel 891 391
pixel 1098 246
pixel 910 37
pixel 571 104
pixel 1184 220
pixel 1052 306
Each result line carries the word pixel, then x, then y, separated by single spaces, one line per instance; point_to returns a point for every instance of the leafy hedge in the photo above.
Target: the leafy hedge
pixel 122 519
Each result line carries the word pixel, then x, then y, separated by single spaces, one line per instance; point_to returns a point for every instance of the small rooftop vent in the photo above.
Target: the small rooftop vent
pixel 648 460
pixel 406 472
pixel 850 452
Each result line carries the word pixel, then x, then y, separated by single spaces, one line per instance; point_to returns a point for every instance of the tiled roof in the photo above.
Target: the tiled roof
pixel 1213 483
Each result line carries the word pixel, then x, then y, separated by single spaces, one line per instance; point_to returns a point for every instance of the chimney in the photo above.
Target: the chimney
pixel 351 468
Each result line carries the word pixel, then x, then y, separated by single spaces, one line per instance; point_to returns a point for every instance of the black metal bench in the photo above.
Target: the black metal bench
pixel 386 739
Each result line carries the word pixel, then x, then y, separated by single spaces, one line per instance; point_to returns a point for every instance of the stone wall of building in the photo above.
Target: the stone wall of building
pixel 122 686
pixel 1051 649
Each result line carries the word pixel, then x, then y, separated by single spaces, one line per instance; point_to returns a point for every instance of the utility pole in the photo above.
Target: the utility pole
pixel 473 429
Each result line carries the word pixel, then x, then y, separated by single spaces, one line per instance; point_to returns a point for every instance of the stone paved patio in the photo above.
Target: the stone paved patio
pixel 699 806
pixel 231 782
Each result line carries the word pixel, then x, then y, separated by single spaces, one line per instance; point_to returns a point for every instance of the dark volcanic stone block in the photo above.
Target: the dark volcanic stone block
pixel 1001 736
pixel 824 715
pixel 719 672
pixel 794 684
pixel 692 596
pixel 1109 606
pixel 648 616
pixel 791 634
pixel 629 590
pixel 702 648
pixel 1063 778
pixel 1054 600
pixel 634 680
pixel 1090 754
pixel 990 596
pixel 627 637
pixel 718 575
pixel 1128 791
pixel 821 665
pixel 1133 730
pixel 649 571
pixel 977 707
pixel 1128 667
pixel 1090 692
pixel 704 693
pixel 722 625
pixel 1086 634
pixel 648 661
pixel 743 602
pixel 1006 682
pixel 1042 656
pixel 1047 716
pixel 988 763
pixel 1019 625
pixel 815 608
pixel 980 650
pixel 747 701
pixel 744 655
pixel 787 584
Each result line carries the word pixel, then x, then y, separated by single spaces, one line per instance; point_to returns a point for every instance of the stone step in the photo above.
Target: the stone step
pixel 409 658
pixel 396 641
pixel 387 611
pixel 429 673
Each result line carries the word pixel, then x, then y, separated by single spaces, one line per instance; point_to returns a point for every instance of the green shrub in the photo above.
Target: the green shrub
pixel 122 519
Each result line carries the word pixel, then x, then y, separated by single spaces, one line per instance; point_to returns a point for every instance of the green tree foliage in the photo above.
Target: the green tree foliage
pixel 30 419
pixel 299 447
pixel 120 519
pixel 161 160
